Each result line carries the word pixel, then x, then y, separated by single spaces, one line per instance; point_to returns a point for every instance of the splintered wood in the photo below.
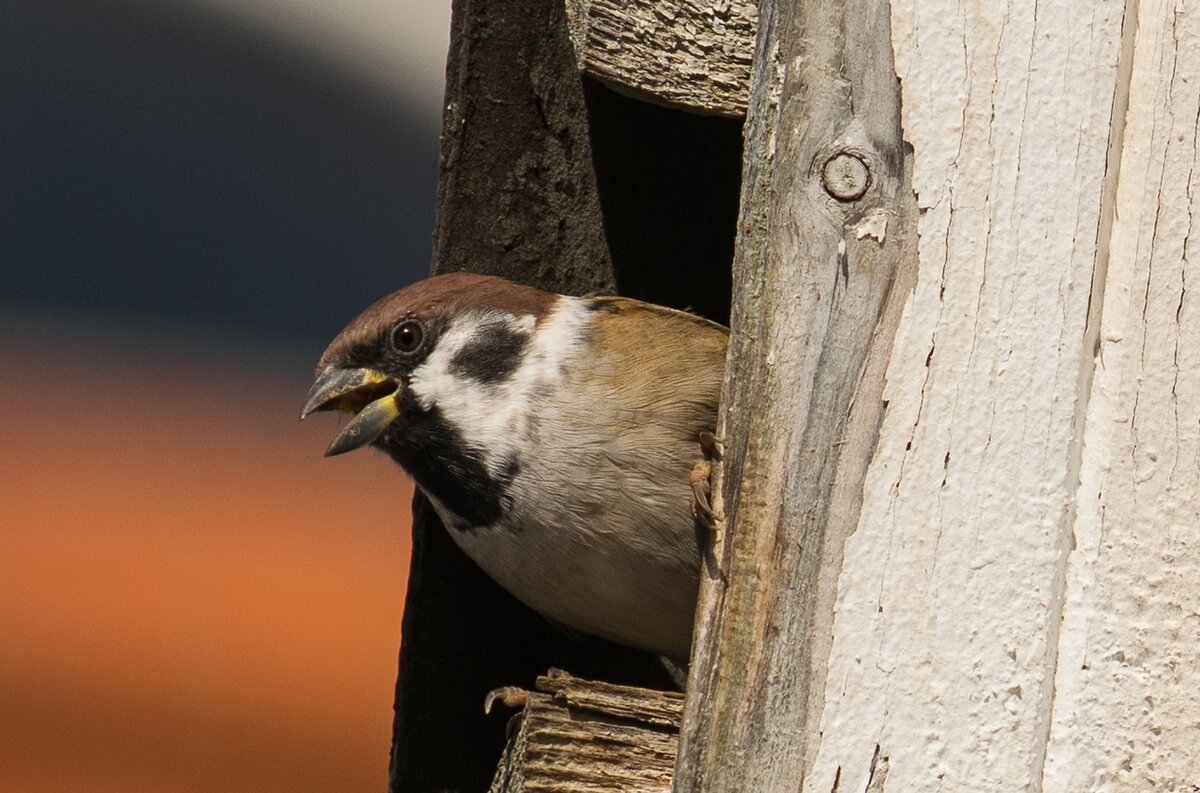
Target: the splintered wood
pixel 687 53
pixel 588 737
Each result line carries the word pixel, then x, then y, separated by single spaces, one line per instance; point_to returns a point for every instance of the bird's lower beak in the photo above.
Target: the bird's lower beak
pixel 369 394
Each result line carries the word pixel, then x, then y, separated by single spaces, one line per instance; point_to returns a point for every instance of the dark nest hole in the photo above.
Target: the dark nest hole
pixel 669 184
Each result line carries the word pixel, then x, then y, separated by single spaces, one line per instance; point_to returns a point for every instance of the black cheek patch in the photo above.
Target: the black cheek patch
pixel 492 355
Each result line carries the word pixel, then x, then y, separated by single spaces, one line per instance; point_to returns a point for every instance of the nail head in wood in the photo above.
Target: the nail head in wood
pixel 846 176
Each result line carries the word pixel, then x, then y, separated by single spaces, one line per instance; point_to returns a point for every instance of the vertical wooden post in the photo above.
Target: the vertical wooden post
pixel 1125 713
pixel 826 231
pixel 973 567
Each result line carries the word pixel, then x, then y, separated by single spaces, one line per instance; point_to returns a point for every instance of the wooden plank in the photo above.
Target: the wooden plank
pixel 1126 714
pixel 929 630
pixel 683 53
pixel 590 737
pixel 660 708
pixel 820 274
pixel 945 632
pixel 517 195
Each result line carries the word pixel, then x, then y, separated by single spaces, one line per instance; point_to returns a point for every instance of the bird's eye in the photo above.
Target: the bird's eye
pixel 407 336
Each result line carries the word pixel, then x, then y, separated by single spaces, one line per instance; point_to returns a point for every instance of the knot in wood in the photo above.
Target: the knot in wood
pixel 846 176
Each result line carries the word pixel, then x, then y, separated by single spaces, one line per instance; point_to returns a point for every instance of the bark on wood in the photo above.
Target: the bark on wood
pixel 591 737
pixel 818 284
pixel 517 195
pixel 684 53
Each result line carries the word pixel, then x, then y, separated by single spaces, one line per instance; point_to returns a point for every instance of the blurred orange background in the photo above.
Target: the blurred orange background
pixel 195 195
pixel 194 599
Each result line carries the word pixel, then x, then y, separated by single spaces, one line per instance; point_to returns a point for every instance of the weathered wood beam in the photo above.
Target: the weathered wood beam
pixel 582 735
pixel 1014 605
pixel 517 195
pixel 951 588
pixel 825 258
pixel 1125 708
pixel 683 53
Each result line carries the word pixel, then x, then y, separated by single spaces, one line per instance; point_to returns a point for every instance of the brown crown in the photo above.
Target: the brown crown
pixel 433 297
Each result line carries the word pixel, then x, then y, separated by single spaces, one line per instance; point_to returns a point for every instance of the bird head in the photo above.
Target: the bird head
pixel 410 353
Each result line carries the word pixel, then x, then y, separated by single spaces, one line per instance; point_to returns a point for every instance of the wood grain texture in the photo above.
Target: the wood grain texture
pixel 1126 715
pixel 996 591
pixel 591 737
pixel 517 191
pixel 818 287
pixel 949 597
pixel 683 53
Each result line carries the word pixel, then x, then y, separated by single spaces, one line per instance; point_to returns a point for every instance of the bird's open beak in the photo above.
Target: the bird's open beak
pixel 369 394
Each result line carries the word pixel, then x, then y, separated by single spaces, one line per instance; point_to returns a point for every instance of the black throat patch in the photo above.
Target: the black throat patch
pixel 441 461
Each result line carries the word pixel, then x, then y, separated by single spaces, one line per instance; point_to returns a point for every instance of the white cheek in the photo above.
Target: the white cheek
pixel 494 417
pixel 431 382
pixel 558 341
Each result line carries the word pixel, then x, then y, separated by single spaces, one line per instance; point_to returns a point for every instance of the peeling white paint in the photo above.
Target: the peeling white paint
pixel 873 225
pixel 1127 691
pixel 961 602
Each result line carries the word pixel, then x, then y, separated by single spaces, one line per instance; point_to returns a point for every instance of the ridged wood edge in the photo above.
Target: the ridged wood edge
pixel 574 735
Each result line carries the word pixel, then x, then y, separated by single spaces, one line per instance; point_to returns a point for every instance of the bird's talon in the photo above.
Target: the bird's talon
pixel 702 494
pixel 508 696
pixel 678 670
pixel 712 446
pixel 706 518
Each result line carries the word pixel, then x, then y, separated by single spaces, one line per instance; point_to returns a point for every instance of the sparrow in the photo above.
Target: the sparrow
pixel 563 441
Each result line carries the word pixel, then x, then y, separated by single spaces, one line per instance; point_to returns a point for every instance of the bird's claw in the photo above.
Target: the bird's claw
pixel 678 671
pixel 700 480
pixel 706 518
pixel 508 696
pixel 711 445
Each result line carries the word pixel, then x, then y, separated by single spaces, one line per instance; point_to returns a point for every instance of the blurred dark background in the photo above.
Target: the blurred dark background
pixel 195 196
pixel 162 163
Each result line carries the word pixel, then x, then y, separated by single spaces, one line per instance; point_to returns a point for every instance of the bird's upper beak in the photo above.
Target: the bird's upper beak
pixel 368 393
